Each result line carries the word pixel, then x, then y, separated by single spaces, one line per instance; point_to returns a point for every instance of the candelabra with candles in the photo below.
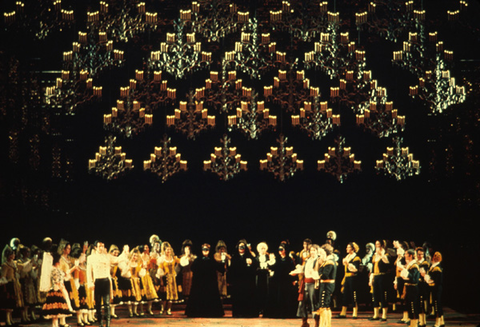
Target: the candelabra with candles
pixel 128 117
pixel 339 161
pixel 110 162
pixel 281 161
pixel 214 19
pixel 72 89
pixel 316 119
pixel 191 118
pixel 39 18
pixel 225 162
pixel 165 161
pixel 398 162
pixel 438 89
pixel 92 53
pixel 223 91
pixel 149 89
pixel 303 20
pixel 388 19
pixel 290 89
pixel 254 54
pixel 335 54
pixel 122 20
pixel 181 54
pixel 252 118
pixel 381 119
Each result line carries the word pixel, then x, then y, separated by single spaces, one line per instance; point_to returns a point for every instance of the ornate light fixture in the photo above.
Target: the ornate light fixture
pixel 224 92
pixel 128 117
pixel 110 162
pixel 165 161
pixel 191 118
pixel 72 90
pixel 39 18
pixel 150 90
pixel 214 19
pixel 398 162
pixel 92 53
pixel 339 161
pixel 180 55
pixel 316 119
pixel 123 20
pixel 281 161
pixel 252 118
pixel 225 162
pixel 381 119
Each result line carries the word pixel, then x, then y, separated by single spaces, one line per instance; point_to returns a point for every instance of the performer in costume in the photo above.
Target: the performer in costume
pixel 114 274
pixel 349 288
pixel 167 269
pixel 282 294
pixel 380 262
pixel 434 278
pixel 57 304
pixel 148 287
pixel 264 262
pixel 423 289
pixel 307 294
pixel 80 278
pixel 27 269
pixel 327 270
pixel 186 272
pixel 410 273
pixel 399 282
pixel 11 296
pixel 67 265
pixel 221 255
pixel 204 300
pixel 98 279
pixel 137 271
pixel 242 274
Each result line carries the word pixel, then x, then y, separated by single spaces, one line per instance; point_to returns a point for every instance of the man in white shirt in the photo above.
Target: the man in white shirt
pixel 98 278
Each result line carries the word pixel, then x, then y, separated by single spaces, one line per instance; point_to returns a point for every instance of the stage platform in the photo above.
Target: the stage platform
pixel 452 318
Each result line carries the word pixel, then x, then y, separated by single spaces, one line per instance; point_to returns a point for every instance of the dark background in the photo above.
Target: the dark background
pixel 439 206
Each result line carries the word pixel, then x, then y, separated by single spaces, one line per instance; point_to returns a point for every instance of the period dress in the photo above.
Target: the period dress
pixel 56 305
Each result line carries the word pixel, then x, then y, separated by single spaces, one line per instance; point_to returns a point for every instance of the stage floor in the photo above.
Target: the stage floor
pixel 452 318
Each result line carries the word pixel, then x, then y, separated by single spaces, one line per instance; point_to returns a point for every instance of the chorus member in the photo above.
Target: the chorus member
pixel 221 255
pixel 327 270
pixel 380 263
pixel 67 265
pixel 282 293
pixel 410 273
pixel 27 270
pixel 115 273
pixel 264 262
pixel 167 269
pixel 308 295
pixel 434 278
pixel 423 289
pixel 98 279
pixel 399 282
pixel 351 264
pixel 242 282
pixel 80 278
pixel 148 263
pixel 204 300
pixel 57 303
pixel 11 296
pixel 186 271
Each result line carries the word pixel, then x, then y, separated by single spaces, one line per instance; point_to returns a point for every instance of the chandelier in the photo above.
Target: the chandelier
pixel 339 161
pixel 252 118
pixel 110 162
pixel 214 19
pixel 72 89
pixel 165 161
pixel 316 119
pixel 92 53
pixel 181 54
pixel 281 161
pixel 290 89
pixel 39 18
pixel 225 162
pixel 123 20
pixel 191 118
pixel 398 162
pixel 381 119
pixel 302 20
pixel 223 91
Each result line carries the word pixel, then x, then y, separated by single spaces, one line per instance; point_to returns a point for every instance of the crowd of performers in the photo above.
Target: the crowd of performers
pixel 89 281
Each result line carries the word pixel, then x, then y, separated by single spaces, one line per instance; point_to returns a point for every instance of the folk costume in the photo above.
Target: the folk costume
pixel 222 256
pixel 148 288
pixel 410 273
pixel 327 273
pixel 380 263
pixel 351 264
pixel 11 296
pixel 168 264
pixel 434 278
